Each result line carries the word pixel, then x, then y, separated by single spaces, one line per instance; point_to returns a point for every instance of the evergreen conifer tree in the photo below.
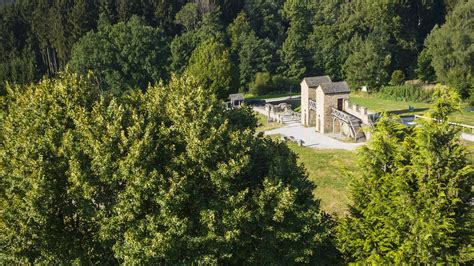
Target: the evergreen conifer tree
pixel 412 204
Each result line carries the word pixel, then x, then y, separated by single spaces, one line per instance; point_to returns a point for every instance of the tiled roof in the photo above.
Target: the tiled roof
pixel 236 97
pixel 314 82
pixel 335 87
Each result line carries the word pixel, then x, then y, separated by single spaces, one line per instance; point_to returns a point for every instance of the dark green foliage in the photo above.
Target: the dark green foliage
pixel 450 49
pixel 210 64
pixel 290 38
pixel 412 205
pixel 252 53
pixel 406 93
pixel 182 47
pixel 164 176
pixel 208 28
pixel 189 17
pixel 367 64
pixel 265 83
pixel 124 56
pixel 295 54
pixel 398 78
pixel 424 70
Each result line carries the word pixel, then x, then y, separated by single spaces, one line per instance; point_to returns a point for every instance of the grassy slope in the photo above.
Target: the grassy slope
pixel 330 171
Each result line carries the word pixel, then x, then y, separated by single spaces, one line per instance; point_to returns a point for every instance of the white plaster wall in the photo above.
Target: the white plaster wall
pixel 320 117
pixel 304 103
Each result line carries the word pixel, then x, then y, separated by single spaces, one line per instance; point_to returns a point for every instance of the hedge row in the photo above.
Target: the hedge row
pixel 406 93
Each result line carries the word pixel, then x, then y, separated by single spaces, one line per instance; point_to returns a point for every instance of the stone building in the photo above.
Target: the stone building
pixel 325 106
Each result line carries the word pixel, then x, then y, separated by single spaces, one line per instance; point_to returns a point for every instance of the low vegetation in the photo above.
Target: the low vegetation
pixel 406 93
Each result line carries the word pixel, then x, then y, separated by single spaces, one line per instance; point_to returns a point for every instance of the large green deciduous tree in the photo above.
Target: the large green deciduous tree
pixel 412 204
pixel 43 217
pixel 211 65
pixel 164 176
pixel 123 56
pixel 451 49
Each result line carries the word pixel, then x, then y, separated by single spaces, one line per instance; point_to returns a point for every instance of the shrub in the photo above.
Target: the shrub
pixel 265 83
pixel 405 93
pixel 262 84
pixel 397 78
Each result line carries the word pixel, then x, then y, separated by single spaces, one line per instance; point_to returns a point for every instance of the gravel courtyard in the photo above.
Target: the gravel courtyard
pixel 311 138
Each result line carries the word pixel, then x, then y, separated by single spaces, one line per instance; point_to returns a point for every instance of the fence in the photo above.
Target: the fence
pixel 465 128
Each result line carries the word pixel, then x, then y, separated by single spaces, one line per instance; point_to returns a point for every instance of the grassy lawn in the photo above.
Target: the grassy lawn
pixel 463 118
pixel 250 96
pixel 264 125
pixel 470 150
pixel 376 104
pixel 329 170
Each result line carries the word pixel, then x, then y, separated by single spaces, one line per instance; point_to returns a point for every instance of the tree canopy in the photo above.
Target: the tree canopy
pixel 451 49
pixel 123 56
pixel 285 37
pixel 412 204
pixel 164 176
pixel 210 64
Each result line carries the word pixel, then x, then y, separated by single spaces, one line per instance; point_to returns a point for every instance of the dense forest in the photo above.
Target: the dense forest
pixel 116 148
pixel 274 42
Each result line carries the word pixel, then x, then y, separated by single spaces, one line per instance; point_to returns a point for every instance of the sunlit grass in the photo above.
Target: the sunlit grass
pixel 250 96
pixel 330 170
pixel 264 125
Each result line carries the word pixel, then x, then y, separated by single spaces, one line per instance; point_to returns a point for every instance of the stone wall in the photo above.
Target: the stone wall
pixel 330 102
pixel 358 111
pixel 308 117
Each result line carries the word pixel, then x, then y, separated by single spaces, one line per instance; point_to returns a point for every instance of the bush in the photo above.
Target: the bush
pixel 397 78
pixel 262 84
pixel 406 93
pixel 265 83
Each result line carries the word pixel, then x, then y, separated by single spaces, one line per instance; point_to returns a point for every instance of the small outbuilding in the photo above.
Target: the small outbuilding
pixel 236 99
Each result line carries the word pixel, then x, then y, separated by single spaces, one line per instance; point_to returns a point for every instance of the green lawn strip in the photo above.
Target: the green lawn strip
pixel 264 125
pixel 250 96
pixel 470 149
pixel 330 171
pixel 376 104
pixel 466 118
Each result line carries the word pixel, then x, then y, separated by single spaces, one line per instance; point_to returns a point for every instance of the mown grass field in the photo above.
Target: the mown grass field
pixel 377 104
pixel 331 171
